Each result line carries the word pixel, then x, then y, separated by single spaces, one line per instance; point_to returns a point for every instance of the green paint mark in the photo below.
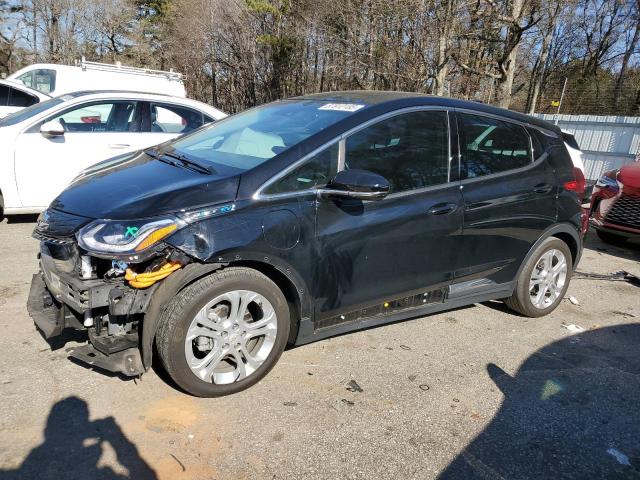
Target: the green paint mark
pixel 131 232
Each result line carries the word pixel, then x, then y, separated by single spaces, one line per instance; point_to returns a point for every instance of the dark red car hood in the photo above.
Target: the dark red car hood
pixel 629 175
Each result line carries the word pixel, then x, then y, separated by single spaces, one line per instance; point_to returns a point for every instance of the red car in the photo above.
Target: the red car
pixel 615 204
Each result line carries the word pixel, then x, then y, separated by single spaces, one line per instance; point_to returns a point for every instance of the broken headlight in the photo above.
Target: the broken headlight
pixel 133 237
pixel 126 237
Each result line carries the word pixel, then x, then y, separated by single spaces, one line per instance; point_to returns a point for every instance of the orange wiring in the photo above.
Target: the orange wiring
pixel 146 279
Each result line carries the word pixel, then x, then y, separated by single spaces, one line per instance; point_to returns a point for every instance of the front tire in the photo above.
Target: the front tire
pixel 223 333
pixel 544 279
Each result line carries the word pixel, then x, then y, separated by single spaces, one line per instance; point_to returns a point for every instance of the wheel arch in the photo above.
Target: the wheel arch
pixel 287 286
pixel 289 282
pixel 566 232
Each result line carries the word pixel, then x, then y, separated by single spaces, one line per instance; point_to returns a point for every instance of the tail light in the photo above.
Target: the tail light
pixel 578 184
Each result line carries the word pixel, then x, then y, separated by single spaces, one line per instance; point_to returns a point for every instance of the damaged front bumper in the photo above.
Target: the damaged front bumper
pixel 109 311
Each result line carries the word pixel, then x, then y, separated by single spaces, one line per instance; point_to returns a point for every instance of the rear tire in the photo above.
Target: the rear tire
pixel 223 333
pixel 611 238
pixel 540 288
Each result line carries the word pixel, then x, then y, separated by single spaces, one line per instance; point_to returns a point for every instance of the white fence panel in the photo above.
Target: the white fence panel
pixel 608 142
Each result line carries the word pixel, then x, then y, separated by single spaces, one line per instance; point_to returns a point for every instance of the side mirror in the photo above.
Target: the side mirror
pixel 358 184
pixel 52 129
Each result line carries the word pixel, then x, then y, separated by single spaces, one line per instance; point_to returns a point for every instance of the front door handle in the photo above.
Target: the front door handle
pixel 443 208
pixel 119 145
pixel 542 188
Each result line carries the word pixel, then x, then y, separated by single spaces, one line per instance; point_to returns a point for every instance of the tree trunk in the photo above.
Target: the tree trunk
pixel 625 60
pixel 507 64
pixel 444 41
pixel 538 73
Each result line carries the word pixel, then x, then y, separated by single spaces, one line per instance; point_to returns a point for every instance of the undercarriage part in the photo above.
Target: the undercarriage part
pixel 110 344
pixel 127 362
pixel 146 279
pixel 49 316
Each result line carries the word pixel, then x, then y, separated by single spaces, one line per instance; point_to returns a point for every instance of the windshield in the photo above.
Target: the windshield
pixel 26 113
pixel 246 140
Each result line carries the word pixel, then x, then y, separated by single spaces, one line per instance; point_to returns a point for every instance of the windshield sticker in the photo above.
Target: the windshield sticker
pixel 342 107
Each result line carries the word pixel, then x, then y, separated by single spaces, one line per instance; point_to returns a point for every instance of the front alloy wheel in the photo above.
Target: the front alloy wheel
pixel 224 332
pixel 231 337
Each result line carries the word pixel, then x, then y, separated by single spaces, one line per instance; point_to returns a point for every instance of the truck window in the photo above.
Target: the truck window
pixel 40 79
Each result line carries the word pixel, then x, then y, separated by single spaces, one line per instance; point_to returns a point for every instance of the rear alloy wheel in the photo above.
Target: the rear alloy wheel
pixel 544 279
pixel 547 279
pixel 224 332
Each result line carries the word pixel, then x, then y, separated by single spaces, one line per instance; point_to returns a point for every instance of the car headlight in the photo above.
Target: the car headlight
pixel 133 237
pixel 606 181
pixel 126 237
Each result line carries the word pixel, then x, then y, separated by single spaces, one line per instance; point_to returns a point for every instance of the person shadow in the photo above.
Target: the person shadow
pixel 572 410
pixel 73 445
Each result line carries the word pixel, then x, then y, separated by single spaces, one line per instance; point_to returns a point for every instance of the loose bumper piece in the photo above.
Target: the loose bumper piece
pixel 128 362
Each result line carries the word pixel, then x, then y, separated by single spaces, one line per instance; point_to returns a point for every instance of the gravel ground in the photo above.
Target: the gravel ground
pixel 475 392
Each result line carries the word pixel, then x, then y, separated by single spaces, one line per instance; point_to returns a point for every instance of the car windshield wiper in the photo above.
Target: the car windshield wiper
pixel 183 161
pixel 152 152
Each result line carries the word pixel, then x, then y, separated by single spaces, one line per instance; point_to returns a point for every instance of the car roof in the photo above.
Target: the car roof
pixel 374 98
pixel 83 93
pixel 144 96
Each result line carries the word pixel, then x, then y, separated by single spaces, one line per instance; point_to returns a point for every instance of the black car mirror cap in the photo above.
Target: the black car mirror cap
pixel 356 184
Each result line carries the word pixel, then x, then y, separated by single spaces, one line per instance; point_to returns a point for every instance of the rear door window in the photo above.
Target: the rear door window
pixel 168 118
pixel 490 146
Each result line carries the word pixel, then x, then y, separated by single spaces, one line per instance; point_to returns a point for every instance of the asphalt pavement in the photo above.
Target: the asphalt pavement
pixel 476 392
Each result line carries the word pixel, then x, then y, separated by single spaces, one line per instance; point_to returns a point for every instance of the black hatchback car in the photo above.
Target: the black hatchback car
pixel 302 219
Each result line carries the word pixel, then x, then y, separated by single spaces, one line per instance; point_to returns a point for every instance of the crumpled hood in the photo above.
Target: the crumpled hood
pixel 629 175
pixel 139 186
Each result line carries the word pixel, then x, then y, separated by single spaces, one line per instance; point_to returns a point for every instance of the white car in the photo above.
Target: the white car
pixel 15 96
pixel 45 146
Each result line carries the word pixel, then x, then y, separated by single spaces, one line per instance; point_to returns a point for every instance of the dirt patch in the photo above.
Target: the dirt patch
pixel 172 414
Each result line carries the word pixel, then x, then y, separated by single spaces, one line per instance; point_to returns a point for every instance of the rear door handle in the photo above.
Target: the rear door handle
pixel 119 145
pixel 542 188
pixel 443 208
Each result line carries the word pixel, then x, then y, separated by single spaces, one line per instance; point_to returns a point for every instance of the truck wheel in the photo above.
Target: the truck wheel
pixel 224 332
pixel 544 279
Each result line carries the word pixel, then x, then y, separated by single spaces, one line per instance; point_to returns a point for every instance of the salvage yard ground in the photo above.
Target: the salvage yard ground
pixel 472 393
